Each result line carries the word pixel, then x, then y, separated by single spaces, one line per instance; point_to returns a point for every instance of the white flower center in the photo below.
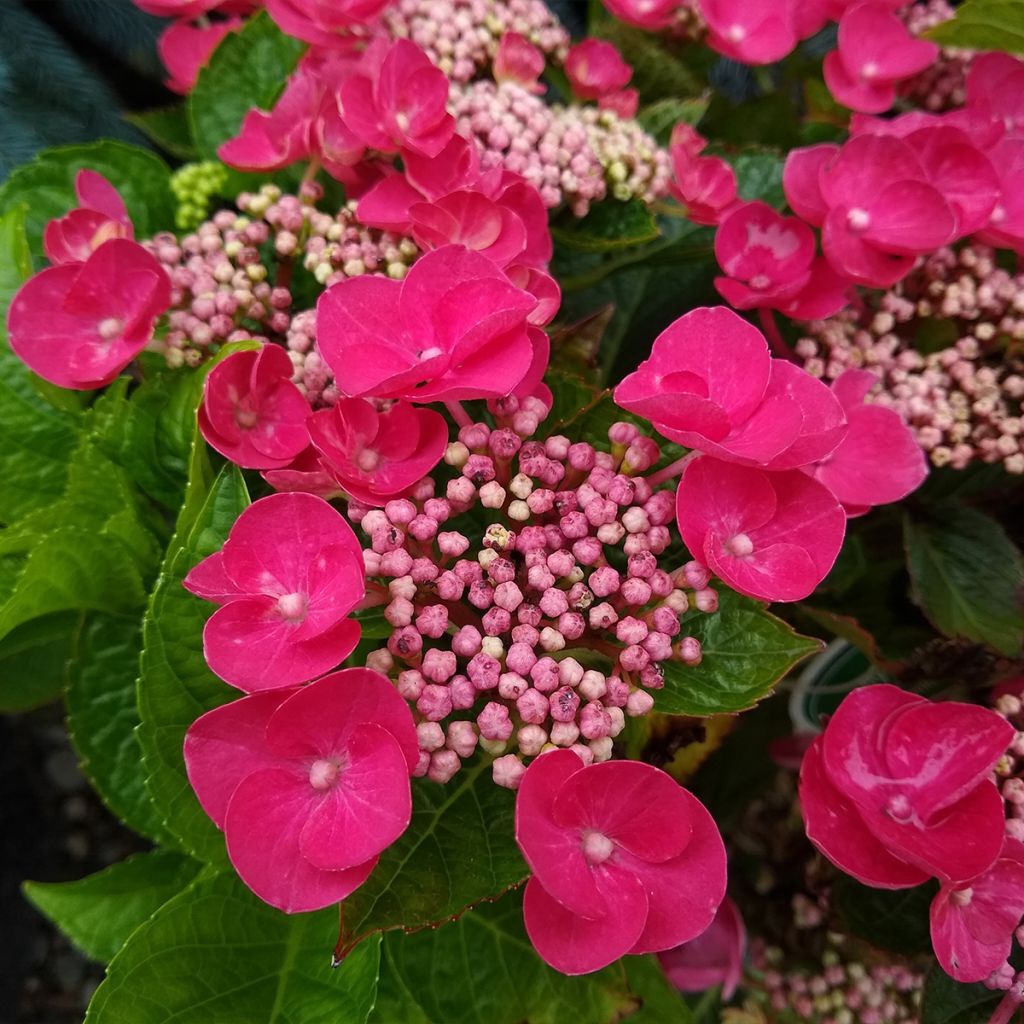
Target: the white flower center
pixel 323 773
pixel 597 847
pixel 292 607
pixel 739 546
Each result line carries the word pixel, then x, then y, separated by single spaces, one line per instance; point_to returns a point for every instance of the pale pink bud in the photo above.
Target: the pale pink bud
pixel 545 675
pixel 443 766
pixel 690 650
pixel 604 581
pixel 694 575
pixel 706 600
pixel 405 642
pixel 484 671
pixel 430 736
pixel 463 692
pixel 602 616
pixel 433 621
pixel 380 661
pixel 551 640
pixel 494 722
pixel 508 771
pixel 462 738
pixel 565 703
pixel 638 703
pixel 410 684
pixel 531 740
pixel 438 665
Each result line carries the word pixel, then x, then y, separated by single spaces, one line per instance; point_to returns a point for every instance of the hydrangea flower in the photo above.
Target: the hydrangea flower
pixel 100 216
pixel 78 325
pixel 309 785
pixel 518 60
pixel 595 68
pixel 624 860
pixel 289 573
pixel 705 185
pixel 185 49
pixel 333 24
pixel 715 957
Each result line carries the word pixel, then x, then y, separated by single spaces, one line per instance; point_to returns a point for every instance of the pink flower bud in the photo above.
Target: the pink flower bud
pixel 545 675
pixel 571 625
pixel 616 692
pixel 410 684
pixel 422 765
pixel 565 703
pixel 690 650
pixel 695 575
pixel 508 596
pixel 474 435
pixel 511 685
pixel 564 734
pixel 438 665
pixel 630 630
pixel 592 686
pixel 451 544
pixel 430 736
pixel 423 528
pixel 604 581
pixel 449 586
pixel 463 692
pixel 639 703
pixel 462 738
pixel 443 766
pixel 508 771
pixel 481 594
pixel 595 721
pixel 494 721
pixel 706 600
pixel 635 592
pixel 529 615
pixel 551 640
pixel 433 621
pixel 531 740
pixel 660 583
pixel 435 702
pixel 520 657
pixel 405 642
pixel 533 707
pixel 439 509
pixel 484 671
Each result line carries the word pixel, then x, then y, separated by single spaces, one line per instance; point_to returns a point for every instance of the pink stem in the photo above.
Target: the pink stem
pixel 771 329
pixel 672 470
pixel 1009 1006
pixel 458 413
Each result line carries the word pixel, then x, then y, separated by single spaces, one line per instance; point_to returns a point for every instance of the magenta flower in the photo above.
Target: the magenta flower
pixel 898 788
pixel 191 8
pixel 252 413
pixel 648 14
pixel 289 573
pixel 595 68
pixel 398 100
pixel 79 325
pixel 711 384
pixel 972 924
pixel 519 61
pixel 875 52
pixel 624 102
pixel 100 216
pixel 185 49
pixel 705 185
pixel 325 23
pixel 455 328
pixel 309 785
pixel 879 459
pixel 772 536
pixel 471 219
pixel 751 31
pixel 715 957
pixel 377 456
pixel 624 860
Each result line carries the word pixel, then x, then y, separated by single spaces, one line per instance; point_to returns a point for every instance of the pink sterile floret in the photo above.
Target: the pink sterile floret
pixel 624 860
pixel 252 413
pixel 326 23
pixel 773 536
pixel 879 459
pixel 185 49
pixel 899 788
pixel 376 456
pixel 705 185
pixel 876 51
pixel 100 216
pixel 518 60
pixel 398 101
pixel 649 14
pixel 751 31
pixel 715 957
pixel 972 923
pixel 711 384
pixel 79 325
pixel 455 328
pixel 289 573
pixel 309 785
pixel 595 68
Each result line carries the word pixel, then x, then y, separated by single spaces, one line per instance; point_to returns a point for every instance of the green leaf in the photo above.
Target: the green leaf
pixel 483 968
pixel 609 225
pixel 658 119
pixel 102 717
pixel 175 686
pixel 946 1001
pixel 46 186
pixel 100 912
pixel 458 850
pixel 215 953
pixel 759 176
pixel 659 1001
pixel 893 920
pixel 769 120
pixel 169 128
pixel 32 661
pixel 35 438
pixel 967 575
pixel 248 69
pixel 572 396
pixel 984 25
pixel 746 651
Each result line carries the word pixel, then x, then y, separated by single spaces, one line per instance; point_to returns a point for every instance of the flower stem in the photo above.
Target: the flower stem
pixel 458 413
pixel 671 471
pixel 771 329
pixel 1009 1006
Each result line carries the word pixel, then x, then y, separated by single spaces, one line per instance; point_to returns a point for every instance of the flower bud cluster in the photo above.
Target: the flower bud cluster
pixel 461 36
pixel 963 402
pixel 1010 770
pixel 195 186
pixel 573 154
pixel 527 603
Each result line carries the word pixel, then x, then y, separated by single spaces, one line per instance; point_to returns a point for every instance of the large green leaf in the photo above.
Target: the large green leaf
pixel 247 70
pixel 746 651
pixel 216 955
pixel 46 186
pixel 609 225
pixel 102 716
pixel 984 25
pixel 32 661
pixel 657 999
pixel 482 969
pixel 35 438
pixel 967 575
pixel 458 850
pixel 99 912
pixel 894 920
pixel 946 1001
pixel 175 686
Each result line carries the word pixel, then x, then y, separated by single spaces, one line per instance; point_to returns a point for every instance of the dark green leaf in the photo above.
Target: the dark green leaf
pixel 984 25
pixel 100 912
pixel 458 850
pixel 169 128
pixel 609 226
pixel 770 120
pixel 247 70
pixel 947 1001
pixel 102 717
pixel 216 955
pixel 373 624
pixel 482 969
pixel 967 575
pixel 32 661
pixel 658 119
pixel 746 651
pixel 576 348
pixel 46 186
pixel 571 397
pixel 658 999
pixel 897 921
pixel 175 686
pixel 759 176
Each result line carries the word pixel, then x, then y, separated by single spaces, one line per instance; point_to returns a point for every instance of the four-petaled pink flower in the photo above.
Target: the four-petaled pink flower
pixel 325 23
pixel 455 328
pixel 751 31
pixel 377 456
pixel 624 860
pixel 79 325
pixel 100 217
pixel 185 49
pixel 595 68
pixel 309 785
pixel 878 460
pixel 875 52
pixel 289 573
pixel 899 788
pixel 772 536
pixel 648 14
pixel 398 100
pixel 252 413
pixel 972 923
pixel 705 185
pixel 715 957
pixel 518 60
